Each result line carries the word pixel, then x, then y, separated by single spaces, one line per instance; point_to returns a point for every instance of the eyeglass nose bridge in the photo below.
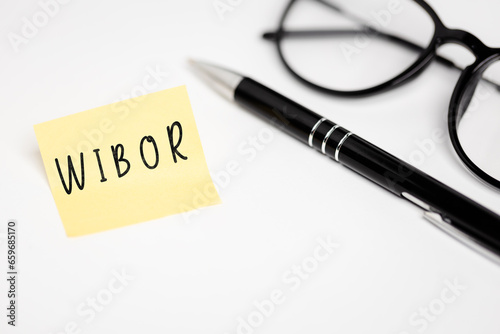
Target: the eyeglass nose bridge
pixel 483 56
pixel 444 35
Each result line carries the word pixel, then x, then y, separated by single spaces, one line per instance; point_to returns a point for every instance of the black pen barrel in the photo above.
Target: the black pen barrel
pixel 401 178
pixel 280 111
pixel 372 162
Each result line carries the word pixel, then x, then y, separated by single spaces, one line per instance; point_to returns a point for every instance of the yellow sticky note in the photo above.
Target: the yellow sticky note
pixel 126 162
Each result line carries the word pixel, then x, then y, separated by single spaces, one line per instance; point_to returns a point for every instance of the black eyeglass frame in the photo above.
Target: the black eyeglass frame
pixel 464 89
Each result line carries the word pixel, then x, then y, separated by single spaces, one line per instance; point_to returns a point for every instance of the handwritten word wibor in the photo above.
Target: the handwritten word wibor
pixel 122 164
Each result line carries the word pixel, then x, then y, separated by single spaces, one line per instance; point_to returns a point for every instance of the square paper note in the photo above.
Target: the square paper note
pixel 126 162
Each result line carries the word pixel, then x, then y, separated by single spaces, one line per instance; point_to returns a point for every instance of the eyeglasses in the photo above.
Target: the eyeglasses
pixel 354 48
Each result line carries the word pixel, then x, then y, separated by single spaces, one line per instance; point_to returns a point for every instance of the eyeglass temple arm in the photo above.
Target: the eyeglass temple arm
pixel 344 13
pixel 273 36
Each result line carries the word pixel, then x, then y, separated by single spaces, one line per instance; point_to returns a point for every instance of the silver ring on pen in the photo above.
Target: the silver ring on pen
pixel 339 146
pixel 325 140
pixel 313 131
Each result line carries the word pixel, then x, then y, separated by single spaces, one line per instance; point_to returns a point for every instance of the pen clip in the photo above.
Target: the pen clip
pixel 437 220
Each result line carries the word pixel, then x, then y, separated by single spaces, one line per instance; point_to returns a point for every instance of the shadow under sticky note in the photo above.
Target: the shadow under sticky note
pixel 126 162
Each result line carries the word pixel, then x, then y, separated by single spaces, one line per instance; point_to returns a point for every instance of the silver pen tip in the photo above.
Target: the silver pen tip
pixel 222 80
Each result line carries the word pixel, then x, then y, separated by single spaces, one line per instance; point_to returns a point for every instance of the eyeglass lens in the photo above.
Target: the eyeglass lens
pixel 479 129
pixel 354 49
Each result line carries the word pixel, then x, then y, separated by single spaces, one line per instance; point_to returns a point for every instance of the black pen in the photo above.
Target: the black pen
pixel 449 210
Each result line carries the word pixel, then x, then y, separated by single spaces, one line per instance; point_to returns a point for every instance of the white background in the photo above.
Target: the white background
pixel 201 275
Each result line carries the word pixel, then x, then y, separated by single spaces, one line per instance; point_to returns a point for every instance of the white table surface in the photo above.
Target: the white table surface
pixel 205 273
